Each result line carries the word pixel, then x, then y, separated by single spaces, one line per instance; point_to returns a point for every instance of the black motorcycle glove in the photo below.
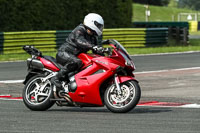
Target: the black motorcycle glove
pixel 98 50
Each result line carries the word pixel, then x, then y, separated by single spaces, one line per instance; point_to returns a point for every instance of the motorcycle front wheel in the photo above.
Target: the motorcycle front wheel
pixel 124 102
pixel 37 94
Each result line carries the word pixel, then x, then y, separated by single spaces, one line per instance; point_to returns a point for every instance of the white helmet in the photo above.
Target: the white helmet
pixel 94 22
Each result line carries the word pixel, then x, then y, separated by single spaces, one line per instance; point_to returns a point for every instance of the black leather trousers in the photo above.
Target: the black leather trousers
pixel 69 62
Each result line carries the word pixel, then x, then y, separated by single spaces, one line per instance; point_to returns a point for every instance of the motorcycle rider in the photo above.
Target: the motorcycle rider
pixel 82 39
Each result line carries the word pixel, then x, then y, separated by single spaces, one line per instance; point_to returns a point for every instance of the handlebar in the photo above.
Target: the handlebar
pixel 101 50
pixel 107 50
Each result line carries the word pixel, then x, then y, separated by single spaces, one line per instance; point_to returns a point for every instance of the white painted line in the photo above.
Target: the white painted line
pixel 5 95
pixel 11 81
pixel 7 99
pixel 191 106
pixel 180 69
pixel 12 61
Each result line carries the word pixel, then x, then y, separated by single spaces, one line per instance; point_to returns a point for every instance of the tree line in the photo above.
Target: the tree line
pixel 153 2
pixel 191 4
pixel 26 15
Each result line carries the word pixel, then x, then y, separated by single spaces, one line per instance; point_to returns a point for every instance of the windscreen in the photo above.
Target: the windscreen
pixel 119 46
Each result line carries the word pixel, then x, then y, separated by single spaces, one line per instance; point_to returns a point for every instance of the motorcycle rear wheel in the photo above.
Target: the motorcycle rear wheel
pixel 124 102
pixel 36 99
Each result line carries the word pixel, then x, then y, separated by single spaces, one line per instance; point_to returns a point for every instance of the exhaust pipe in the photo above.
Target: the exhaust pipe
pixel 34 64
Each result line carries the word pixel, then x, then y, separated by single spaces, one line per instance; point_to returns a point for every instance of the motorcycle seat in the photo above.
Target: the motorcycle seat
pixel 53 60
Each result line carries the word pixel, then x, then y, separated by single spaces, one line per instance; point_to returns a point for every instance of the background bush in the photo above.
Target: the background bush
pixel 191 4
pixel 153 2
pixel 26 15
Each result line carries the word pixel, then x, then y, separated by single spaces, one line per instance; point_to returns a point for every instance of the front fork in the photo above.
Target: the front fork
pixel 120 79
pixel 117 84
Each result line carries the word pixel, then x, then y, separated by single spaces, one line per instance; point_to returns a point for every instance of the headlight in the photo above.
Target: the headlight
pixel 130 63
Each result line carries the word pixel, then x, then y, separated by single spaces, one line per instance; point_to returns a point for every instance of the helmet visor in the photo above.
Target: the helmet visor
pixel 98 25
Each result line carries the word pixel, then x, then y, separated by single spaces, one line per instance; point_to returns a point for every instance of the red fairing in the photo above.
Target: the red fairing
pixel 86 58
pixel 118 57
pixel 49 65
pixel 89 81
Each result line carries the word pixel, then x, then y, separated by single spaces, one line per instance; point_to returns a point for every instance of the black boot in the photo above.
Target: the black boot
pixel 55 80
pixel 58 78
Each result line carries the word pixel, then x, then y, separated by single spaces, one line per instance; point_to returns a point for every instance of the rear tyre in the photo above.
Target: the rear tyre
pixel 37 94
pixel 124 102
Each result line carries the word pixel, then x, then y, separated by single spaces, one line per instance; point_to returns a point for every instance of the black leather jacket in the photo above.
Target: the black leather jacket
pixel 78 41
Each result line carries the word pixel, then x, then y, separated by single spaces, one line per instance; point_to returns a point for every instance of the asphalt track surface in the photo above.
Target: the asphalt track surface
pixel 17 119
pixel 172 86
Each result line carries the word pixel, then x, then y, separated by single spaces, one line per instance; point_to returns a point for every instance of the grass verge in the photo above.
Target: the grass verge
pixel 194 45
pixel 159 13
pixel 164 49
pixel 17 57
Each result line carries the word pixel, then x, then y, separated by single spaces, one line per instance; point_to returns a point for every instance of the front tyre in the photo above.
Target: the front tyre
pixel 124 102
pixel 37 94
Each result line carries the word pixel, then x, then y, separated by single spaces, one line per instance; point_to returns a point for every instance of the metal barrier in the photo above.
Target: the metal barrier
pixel 160 24
pixel 177 30
pixel 138 37
pixel 12 42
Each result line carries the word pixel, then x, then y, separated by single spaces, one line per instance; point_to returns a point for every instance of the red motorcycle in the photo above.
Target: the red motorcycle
pixel 102 80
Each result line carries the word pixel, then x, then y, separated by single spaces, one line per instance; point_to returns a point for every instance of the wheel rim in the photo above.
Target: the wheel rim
pixel 38 92
pixel 121 100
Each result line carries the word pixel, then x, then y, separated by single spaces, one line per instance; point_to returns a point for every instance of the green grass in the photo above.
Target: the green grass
pixel 195 42
pixel 14 57
pixel 194 45
pixel 195 33
pixel 158 13
pixel 164 49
